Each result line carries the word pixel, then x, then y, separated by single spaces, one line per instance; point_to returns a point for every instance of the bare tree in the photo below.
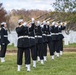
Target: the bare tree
pixel 2 13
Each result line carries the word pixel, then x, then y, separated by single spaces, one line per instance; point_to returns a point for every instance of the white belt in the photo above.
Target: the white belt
pixel 44 34
pixel 32 37
pixel 39 36
pixel 54 33
pixel 48 35
pixel 23 37
pixel 5 35
pixel 60 33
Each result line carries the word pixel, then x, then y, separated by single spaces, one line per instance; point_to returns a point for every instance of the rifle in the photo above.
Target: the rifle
pixel 38 17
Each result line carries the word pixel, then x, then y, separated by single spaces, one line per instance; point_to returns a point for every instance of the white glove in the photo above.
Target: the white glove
pixel 24 24
pixel 61 23
pixel 44 22
pixel 38 22
pixel 33 20
pixel 3 43
pixel 48 22
pixel 65 24
pixel 53 23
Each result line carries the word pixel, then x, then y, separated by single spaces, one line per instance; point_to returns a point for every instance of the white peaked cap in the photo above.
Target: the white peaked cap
pixel 48 22
pixel 61 23
pixel 3 23
pixel 20 20
pixel 44 22
pixel 53 23
pixel 38 22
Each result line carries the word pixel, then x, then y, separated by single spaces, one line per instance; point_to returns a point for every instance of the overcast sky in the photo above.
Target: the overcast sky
pixel 28 4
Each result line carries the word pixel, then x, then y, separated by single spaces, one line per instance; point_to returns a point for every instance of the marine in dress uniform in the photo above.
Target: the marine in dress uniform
pixel 49 39
pixel 60 42
pixel 39 41
pixel 32 42
pixel 44 37
pixel 4 41
pixel 54 37
pixel 59 37
pixel 23 44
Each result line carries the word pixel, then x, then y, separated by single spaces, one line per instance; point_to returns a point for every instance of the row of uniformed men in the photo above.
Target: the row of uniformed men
pixel 35 38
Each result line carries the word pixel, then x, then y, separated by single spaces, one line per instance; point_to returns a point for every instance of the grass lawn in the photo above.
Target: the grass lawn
pixel 70 45
pixel 65 65
pixel 11 47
